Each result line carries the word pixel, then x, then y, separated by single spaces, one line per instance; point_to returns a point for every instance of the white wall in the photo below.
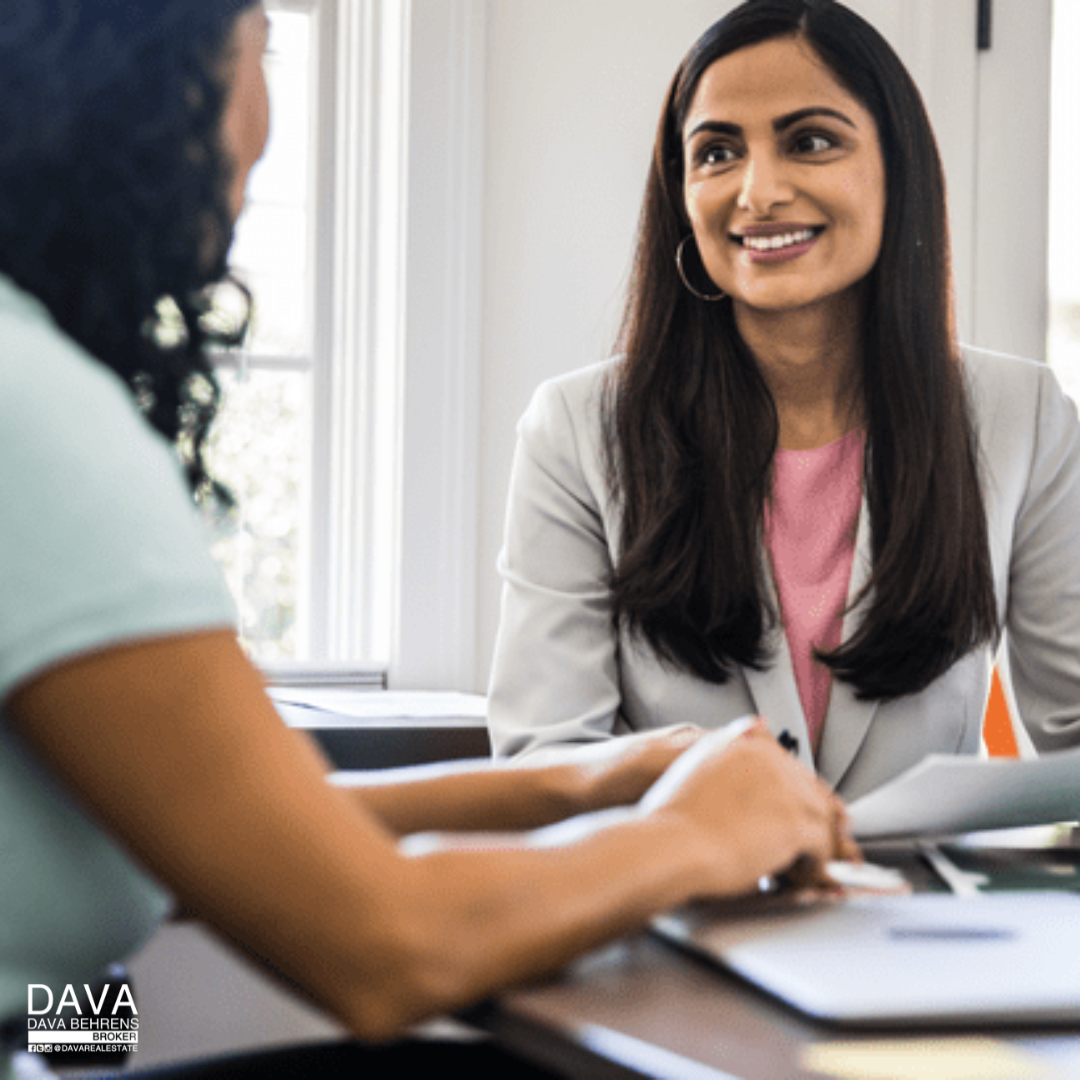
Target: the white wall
pixel 574 89
pixel 573 93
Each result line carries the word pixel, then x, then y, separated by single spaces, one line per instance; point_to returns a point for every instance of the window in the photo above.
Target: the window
pixel 261 446
pixel 349 427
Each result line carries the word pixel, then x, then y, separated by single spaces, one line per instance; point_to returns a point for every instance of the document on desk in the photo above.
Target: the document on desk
pixel 944 795
pixel 384 704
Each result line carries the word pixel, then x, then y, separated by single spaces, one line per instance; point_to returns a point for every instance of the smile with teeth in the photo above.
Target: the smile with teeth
pixel 777 241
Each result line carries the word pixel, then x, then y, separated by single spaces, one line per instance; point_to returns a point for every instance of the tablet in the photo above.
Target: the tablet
pixel 892 961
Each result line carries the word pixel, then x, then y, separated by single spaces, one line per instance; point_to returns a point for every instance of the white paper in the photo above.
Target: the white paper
pixel 945 795
pixel 385 704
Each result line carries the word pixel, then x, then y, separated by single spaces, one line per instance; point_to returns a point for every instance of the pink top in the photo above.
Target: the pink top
pixel 810 525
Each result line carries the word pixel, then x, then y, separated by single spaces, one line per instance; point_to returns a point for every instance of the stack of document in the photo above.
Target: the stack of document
pixel 285 674
pixel 944 795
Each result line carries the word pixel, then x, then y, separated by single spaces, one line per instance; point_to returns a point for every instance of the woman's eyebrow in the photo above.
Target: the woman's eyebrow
pixel 781 123
pixel 716 127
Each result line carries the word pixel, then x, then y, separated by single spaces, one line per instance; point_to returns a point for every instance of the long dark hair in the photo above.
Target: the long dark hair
pixel 114 187
pixel 690 428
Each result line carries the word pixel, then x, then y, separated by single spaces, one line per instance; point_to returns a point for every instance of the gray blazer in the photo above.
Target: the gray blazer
pixel 563 677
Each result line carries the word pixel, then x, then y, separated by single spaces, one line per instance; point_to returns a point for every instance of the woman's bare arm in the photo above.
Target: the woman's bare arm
pixel 175 746
pixel 484 796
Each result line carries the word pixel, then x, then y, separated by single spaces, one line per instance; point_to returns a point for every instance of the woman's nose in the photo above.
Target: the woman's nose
pixel 765 185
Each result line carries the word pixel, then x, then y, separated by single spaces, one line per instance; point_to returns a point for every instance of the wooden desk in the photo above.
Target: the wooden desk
pixel 640 1008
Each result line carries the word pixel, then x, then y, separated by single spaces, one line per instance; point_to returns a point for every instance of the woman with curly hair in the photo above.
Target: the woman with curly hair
pixel 793 493
pixel 140 758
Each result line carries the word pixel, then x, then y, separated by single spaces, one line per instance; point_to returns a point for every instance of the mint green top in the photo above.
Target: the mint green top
pixel 99 544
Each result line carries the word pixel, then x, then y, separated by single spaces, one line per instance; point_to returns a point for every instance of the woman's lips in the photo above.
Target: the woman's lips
pixel 778 245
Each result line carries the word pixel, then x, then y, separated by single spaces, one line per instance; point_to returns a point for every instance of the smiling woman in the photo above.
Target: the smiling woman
pixel 792 492
pixel 786 200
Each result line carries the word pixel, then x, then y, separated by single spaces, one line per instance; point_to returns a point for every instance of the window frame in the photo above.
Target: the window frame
pixel 396 248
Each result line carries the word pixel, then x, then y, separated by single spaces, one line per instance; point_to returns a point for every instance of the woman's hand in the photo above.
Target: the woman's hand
pixel 760 810
pixel 621 771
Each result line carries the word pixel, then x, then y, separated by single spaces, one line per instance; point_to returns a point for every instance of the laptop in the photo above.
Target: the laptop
pixel 891 961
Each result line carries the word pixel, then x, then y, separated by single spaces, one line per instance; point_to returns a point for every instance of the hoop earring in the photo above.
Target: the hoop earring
pixel 686 280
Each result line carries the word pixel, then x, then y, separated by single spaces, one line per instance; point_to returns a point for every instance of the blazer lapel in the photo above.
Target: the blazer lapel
pixel 848 719
pixel 775 693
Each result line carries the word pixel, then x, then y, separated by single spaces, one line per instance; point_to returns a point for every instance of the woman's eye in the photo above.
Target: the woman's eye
pixel 716 154
pixel 813 142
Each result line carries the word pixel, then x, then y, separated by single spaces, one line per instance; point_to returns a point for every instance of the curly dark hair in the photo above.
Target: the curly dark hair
pixel 113 191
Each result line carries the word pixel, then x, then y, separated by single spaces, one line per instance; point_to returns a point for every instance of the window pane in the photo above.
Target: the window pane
pixel 1063 343
pixel 261 445
pixel 275 270
pixel 259 449
pixel 270 253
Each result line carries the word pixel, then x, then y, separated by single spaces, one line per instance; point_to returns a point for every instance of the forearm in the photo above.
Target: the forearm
pixel 383 938
pixel 478 797
pixel 534 906
pixel 474 913
pixel 386 938
pixel 503 798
